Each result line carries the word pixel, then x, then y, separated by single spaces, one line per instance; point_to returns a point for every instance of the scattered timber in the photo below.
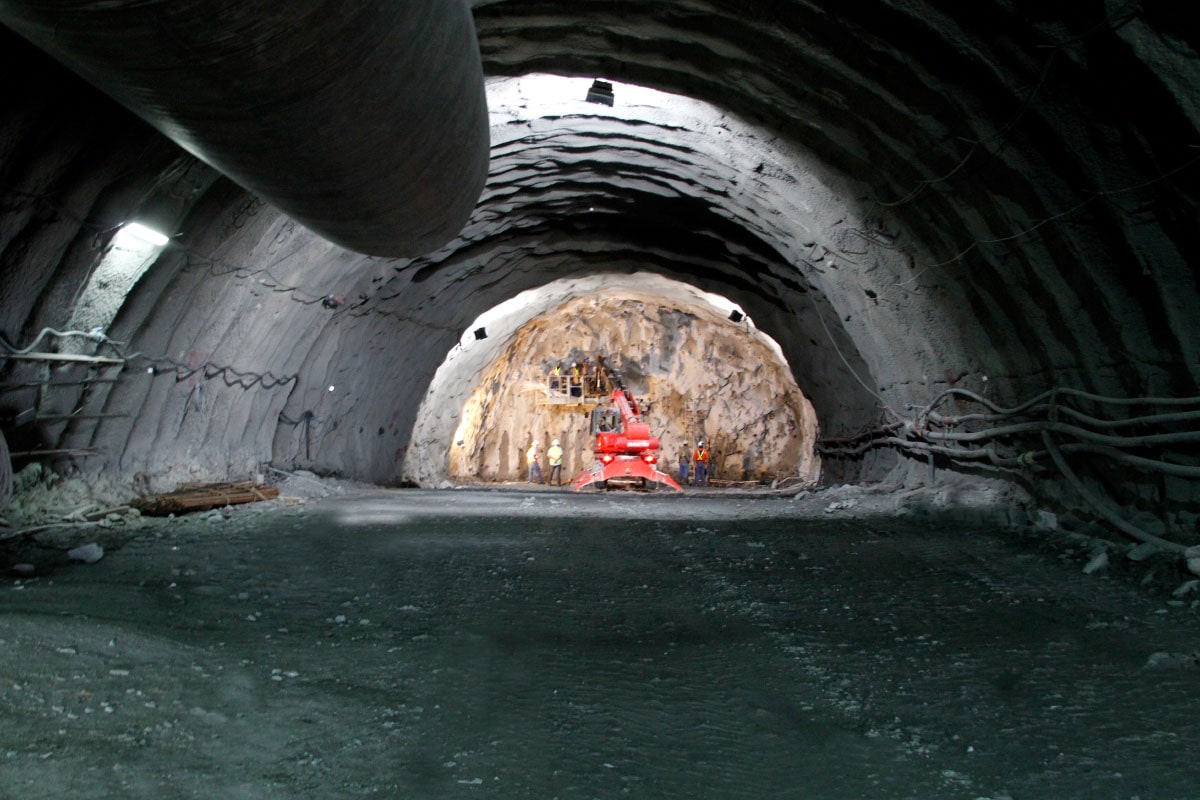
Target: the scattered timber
pixel 190 497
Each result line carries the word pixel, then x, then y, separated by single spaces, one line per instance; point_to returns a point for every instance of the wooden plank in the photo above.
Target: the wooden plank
pixel 199 497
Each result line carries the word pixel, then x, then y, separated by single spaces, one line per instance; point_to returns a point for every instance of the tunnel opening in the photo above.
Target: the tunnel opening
pixel 699 368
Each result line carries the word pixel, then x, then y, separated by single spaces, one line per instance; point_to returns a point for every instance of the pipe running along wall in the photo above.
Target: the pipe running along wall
pixel 365 122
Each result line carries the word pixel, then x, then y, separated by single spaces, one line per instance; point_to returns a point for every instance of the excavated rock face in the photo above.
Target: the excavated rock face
pixel 695 374
pixel 907 196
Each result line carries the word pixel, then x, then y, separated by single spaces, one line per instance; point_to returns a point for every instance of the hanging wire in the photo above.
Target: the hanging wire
pixel 163 364
pixel 220 267
pixel 1112 22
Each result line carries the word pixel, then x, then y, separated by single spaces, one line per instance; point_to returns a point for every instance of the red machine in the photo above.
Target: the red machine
pixel 626 453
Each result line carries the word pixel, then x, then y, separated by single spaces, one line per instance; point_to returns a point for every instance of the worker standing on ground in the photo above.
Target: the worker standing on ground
pixel 700 456
pixel 532 458
pixel 685 463
pixel 555 456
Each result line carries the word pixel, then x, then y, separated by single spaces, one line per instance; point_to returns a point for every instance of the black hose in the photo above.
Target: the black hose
pixel 6 473
pixel 1100 506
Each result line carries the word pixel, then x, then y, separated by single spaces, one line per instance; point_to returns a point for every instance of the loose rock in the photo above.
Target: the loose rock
pixel 86 554
pixel 1098 562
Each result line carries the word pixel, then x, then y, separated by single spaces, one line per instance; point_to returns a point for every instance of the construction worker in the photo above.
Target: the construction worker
pixel 685 463
pixel 555 377
pixel 555 455
pixel 532 458
pixel 700 456
pixel 585 375
pixel 575 380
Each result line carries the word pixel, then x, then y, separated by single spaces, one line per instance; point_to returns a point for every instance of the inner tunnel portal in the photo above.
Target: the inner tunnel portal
pixel 697 366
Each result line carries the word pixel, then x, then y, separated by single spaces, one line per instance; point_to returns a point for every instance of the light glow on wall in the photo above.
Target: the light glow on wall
pixel 135 235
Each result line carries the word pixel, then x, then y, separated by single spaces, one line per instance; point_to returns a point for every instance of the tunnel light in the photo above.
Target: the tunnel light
pixel 480 333
pixel 735 316
pixel 142 235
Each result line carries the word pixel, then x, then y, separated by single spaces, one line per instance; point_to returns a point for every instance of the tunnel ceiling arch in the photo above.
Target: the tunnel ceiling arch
pixel 1004 193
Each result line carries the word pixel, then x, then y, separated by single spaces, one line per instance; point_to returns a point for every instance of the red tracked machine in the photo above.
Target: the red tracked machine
pixel 626 453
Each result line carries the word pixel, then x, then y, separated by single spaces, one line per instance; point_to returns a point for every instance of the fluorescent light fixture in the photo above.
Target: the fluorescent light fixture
pixel 143 234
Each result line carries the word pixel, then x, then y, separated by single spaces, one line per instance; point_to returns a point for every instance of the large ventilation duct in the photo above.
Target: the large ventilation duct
pixel 366 122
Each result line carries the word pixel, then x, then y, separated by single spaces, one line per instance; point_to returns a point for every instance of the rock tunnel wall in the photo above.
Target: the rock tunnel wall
pixel 907 196
pixel 695 375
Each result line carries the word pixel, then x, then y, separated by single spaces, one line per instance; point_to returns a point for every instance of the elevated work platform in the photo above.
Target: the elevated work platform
pixel 585 391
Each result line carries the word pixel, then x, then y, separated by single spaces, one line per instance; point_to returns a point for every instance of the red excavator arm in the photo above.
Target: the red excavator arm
pixel 626 458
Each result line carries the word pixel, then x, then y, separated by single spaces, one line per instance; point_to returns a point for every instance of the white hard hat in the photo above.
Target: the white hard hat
pixel 555 442
pixel 702 444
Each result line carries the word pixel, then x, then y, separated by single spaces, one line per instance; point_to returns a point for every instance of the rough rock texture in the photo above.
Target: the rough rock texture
pixel 699 375
pixel 907 196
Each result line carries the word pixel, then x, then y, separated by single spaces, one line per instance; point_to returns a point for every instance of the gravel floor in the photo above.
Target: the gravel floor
pixel 541 645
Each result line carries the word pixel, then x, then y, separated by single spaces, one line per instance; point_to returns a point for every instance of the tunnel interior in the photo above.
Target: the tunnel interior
pixel 970 231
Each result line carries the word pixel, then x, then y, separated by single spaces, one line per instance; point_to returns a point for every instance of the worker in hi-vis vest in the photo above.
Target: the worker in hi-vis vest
pixel 700 457
pixel 532 457
pixel 555 455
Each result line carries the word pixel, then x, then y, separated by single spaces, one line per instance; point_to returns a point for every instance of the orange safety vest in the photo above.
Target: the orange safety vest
pixel 700 456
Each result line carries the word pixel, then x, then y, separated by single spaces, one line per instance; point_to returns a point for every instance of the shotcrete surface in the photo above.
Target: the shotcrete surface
pixel 539 644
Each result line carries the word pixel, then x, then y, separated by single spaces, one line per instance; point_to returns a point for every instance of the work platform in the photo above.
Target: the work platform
pixel 572 390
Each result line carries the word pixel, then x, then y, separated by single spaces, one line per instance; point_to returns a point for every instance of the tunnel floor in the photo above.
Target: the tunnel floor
pixel 533 645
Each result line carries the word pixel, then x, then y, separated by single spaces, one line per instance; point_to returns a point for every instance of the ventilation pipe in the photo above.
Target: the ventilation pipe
pixel 366 122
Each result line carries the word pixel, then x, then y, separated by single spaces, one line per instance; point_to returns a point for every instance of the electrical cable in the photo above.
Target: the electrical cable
pixel 1149 440
pixel 6 473
pixel 1102 507
pixel 1127 12
pixel 1050 404
pixel 1153 419
pixel 94 336
pixel 245 379
pixel 820 318
pixel 297 294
